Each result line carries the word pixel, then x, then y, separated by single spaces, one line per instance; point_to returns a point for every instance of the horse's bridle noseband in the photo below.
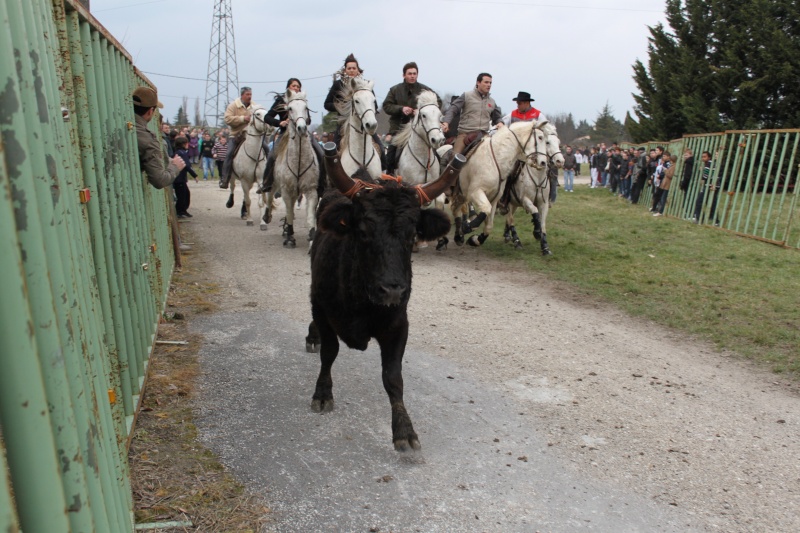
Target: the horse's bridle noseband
pixel 535 145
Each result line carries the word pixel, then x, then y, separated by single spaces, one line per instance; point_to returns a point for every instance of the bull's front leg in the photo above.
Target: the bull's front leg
pixel 393 346
pixel 322 401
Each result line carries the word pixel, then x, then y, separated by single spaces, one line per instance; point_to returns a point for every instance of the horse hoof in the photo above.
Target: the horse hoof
pixel 537 235
pixel 442 244
pixel 517 245
pixel 473 241
pixel 289 243
pixel 229 203
pixel 267 218
pixel 312 347
pixel 407 445
pixel 546 251
pixel 459 240
pixel 249 222
pixel 507 238
pixel 263 226
pixel 466 228
pixel 320 406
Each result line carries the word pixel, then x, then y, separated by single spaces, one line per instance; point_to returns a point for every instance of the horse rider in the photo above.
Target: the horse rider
pixel 351 69
pixel 278 117
pixel 524 112
pixel 400 104
pixel 160 171
pixel 237 116
pixel 478 113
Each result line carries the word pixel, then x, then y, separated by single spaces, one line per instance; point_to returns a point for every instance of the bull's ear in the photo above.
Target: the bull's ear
pixel 432 224
pixel 337 217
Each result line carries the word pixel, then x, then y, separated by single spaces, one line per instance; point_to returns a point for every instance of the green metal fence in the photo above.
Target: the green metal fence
pixel 753 185
pixel 86 258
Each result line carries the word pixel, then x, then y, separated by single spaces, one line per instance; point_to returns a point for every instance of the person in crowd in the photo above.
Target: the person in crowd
pixel 220 153
pixel 237 116
pixel 708 163
pixel 664 163
pixel 626 171
pixel 614 168
pixel 688 169
pixel 401 104
pixel 478 112
pixel 194 147
pixel 181 185
pixel 207 156
pixel 570 162
pixel 593 172
pixel 666 180
pixel 602 166
pixel 639 176
pixel 160 171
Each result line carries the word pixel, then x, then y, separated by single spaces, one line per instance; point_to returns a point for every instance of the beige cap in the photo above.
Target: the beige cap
pixel 146 97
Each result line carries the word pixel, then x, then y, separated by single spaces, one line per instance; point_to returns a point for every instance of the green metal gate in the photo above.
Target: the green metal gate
pixel 86 259
pixel 752 189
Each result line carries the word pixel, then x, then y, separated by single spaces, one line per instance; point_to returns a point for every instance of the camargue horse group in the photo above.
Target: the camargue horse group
pixel 534 145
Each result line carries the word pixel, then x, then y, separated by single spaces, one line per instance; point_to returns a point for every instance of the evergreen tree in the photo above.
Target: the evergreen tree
pixel 723 64
pixel 180 117
pixel 607 129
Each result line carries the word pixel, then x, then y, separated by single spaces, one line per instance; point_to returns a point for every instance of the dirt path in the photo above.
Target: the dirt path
pixel 659 423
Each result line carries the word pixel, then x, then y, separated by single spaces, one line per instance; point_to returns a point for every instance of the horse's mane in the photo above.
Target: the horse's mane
pixel 402 137
pixel 344 104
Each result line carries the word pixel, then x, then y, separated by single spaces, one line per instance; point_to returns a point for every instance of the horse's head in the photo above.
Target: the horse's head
pixel 297 108
pixel 531 142
pixel 552 143
pixel 429 118
pixel 257 125
pixel 363 104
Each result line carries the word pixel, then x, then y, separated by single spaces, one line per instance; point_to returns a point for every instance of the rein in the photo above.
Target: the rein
pixel 364 162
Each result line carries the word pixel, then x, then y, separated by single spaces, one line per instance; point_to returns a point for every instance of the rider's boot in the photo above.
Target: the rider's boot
pixel 269 177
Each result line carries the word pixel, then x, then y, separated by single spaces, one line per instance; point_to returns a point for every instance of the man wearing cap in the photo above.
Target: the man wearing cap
pixel 400 104
pixel 160 170
pixel 478 112
pixel 237 117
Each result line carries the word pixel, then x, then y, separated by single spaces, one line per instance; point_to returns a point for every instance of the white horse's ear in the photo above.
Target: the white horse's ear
pixel 370 84
pixel 353 83
pixel 542 124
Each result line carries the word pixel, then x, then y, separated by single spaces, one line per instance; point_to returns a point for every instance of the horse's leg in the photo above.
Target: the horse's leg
pixel 511 229
pixel 543 209
pixel 232 185
pixel 485 216
pixel 288 201
pixel 246 204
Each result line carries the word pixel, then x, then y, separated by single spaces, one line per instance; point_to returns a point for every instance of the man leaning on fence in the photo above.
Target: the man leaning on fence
pixel 160 170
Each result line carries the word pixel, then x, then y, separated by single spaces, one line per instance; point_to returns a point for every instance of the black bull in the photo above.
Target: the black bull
pixel 361 276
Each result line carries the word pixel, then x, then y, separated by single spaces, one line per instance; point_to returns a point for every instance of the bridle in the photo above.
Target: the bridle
pixel 292 136
pixel 536 151
pixel 360 118
pixel 430 153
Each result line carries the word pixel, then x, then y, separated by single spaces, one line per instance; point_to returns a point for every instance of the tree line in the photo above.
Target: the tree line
pixel 721 64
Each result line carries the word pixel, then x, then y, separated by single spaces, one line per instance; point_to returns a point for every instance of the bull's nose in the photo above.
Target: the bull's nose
pixel 391 294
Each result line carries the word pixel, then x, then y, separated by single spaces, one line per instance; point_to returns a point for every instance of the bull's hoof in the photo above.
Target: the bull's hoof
pixel 442 244
pixel 289 243
pixel 474 241
pixel 249 222
pixel 459 239
pixel 403 445
pixel 322 406
pixel 229 203
pixel 312 347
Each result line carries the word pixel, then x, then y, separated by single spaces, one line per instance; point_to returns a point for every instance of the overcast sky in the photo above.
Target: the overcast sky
pixel 571 58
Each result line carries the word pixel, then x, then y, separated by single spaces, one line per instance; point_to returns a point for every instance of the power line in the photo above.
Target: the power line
pixel 243 82
pixel 560 6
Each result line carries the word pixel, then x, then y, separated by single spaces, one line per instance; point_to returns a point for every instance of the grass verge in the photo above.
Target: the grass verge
pixel 175 478
pixel 739 293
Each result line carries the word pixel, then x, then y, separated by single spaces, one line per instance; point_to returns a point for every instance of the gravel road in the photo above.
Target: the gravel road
pixel 537 410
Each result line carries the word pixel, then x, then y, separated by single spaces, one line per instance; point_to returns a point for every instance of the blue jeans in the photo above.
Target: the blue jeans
pixel 662 202
pixel 569 179
pixel 208 167
pixel 625 187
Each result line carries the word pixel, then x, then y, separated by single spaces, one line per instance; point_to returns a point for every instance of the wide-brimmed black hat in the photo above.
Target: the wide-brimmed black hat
pixel 523 97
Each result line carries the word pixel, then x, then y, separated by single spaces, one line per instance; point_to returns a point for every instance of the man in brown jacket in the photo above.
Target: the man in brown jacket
pixel 160 171
pixel 237 117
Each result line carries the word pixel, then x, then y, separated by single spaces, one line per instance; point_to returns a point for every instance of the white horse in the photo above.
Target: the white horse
pixel 532 192
pixel 296 168
pixel 357 109
pixel 249 162
pixel 483 178
pixel 418 140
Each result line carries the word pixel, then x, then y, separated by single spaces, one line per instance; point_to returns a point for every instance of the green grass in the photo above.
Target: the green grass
pixel 739 293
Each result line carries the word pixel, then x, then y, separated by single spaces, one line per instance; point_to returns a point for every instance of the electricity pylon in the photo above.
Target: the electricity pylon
pixel 222 80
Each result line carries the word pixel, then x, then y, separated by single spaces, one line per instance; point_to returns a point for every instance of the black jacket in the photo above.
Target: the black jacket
pixel 688 168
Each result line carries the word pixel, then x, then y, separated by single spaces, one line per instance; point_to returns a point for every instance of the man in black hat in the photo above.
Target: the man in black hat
pixel 524 112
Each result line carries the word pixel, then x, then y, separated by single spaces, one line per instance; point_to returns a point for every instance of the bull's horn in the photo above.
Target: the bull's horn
pixel 431 190
pixel 333 166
